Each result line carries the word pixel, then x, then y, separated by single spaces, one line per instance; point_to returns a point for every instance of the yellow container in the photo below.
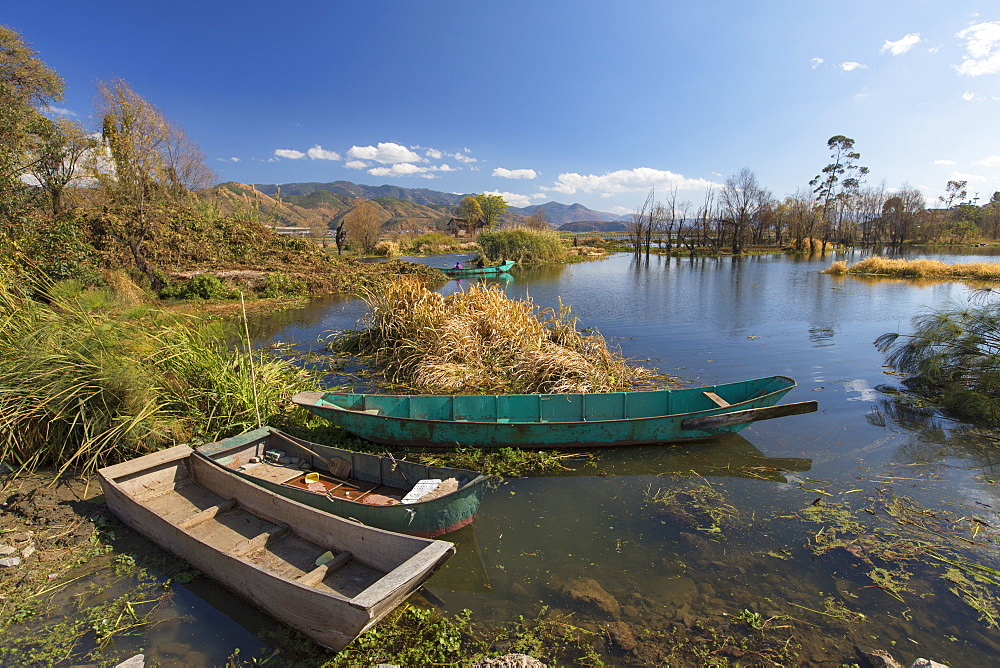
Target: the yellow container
pixel 312 477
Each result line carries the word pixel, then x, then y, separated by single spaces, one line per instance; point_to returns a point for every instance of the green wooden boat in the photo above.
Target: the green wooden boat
pixel 557 420
pixel 501 268
pixel 382 492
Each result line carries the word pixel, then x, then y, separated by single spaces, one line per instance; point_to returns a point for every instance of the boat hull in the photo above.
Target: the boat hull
pixel 478 271
pixel 262 546
pixel 557 421
pixel 428 519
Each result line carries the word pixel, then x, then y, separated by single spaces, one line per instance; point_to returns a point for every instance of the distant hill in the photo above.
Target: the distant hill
pixel 593 226
pixel 322 205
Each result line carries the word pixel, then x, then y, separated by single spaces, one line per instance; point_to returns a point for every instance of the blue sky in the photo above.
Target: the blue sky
pixel 572 101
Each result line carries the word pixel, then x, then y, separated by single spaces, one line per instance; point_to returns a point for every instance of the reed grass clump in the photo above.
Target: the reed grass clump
pixel 522 244
pixel 480 341
pixel 84 383
pixel 387 249
pixel 902 268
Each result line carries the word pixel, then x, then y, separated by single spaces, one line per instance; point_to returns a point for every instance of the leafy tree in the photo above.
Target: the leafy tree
pixel 955 190
pixel 838 180
pixel 60 154
pixel 493 208
pixel 152 163
pixel 470 211
pixel 27 85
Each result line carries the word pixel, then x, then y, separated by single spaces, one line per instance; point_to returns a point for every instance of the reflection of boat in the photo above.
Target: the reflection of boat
pixel 364 487
pixel 557 420
pixel 731 456
pixel 327 577
pixel 501 268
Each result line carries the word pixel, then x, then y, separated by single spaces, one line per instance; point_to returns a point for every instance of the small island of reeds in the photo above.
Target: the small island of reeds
pixel 902 268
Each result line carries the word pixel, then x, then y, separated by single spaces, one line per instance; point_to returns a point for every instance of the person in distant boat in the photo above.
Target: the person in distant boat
pixel 458 265
pixel 479 263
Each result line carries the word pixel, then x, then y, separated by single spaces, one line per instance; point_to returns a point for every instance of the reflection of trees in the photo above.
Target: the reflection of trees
pixel 934 436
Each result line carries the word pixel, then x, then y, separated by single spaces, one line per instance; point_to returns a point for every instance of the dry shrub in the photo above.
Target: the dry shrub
pixel 901 268
pixel 126 292
pixel 387 249
pixel 838 268
pixel 479 340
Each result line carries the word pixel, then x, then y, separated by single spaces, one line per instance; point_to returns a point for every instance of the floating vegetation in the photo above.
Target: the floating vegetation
pixel 480 341
pixel 896 538
pixel 901 268
pixel 694 504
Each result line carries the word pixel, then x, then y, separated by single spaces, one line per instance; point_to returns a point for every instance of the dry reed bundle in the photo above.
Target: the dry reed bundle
pixel 482 341
pixel 901 268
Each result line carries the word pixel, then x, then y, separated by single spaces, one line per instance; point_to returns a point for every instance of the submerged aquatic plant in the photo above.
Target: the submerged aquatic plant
pixel 479 340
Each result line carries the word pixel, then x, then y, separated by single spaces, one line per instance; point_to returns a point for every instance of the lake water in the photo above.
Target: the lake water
pixel 711 531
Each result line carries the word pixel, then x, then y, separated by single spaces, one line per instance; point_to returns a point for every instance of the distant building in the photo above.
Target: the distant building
pixel 460 227
pixel 292 231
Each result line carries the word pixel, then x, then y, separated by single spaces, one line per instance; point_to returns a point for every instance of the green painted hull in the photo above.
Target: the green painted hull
pixel 556 420
pixel 424 518
pixel 479 271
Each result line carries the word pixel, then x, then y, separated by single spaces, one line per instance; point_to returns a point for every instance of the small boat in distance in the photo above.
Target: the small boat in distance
pixel 501 268
pixel 557 420
pixel 383 492
pixel 327 577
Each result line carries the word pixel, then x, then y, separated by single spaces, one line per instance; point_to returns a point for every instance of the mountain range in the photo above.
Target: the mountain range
pixel 311 204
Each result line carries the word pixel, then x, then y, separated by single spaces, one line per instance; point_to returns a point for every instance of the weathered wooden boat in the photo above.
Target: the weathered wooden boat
pixel 382 492
pixel 325 576
pixel 501 268
pixel 557 420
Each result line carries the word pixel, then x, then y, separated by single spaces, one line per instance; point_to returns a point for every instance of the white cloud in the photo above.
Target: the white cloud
pixel 513 199
pixel 58 111
pixel 318 153
pixel 982 42
pixel 625 181
pixel 387 153
pixel 356 164
pixel 462 157
pixel 515 173
pixel 401 169
pixel 850 66
pixel 434 154
pixel 901 46
pixel 444 168
pixel 971 178
pixel 289 153
pixel 968 97
pixel 944 162
pixel 815 62
pixel 989 161
pixel 234 159
pixel 622 210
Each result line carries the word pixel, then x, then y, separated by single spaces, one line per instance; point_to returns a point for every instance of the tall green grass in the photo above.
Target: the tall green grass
pixel 522 244
pixel 83 383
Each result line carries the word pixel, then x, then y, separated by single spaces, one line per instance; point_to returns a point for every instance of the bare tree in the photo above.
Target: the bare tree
pixel 741 200
pixel 538 220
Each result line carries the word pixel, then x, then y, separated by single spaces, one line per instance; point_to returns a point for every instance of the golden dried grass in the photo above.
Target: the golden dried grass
pixel 479 340
pixel 902 268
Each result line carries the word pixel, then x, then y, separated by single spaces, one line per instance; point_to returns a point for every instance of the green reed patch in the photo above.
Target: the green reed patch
pixel 84 384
